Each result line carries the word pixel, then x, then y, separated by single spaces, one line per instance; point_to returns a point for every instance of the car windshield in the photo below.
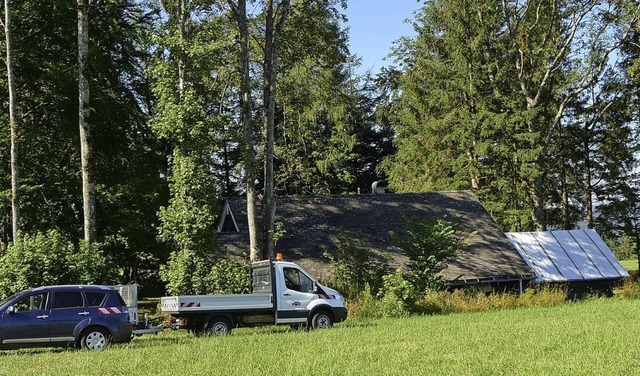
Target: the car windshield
pixel 4 302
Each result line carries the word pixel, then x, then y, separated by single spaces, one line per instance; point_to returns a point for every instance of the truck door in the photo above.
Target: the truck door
pixel 29 323
pixel 295 296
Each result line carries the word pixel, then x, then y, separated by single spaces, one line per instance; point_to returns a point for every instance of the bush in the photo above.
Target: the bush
pixel 428 245
pixel 229 276
pixel 354 266
pixel 52 259
pixel 624 247
pixel 186 273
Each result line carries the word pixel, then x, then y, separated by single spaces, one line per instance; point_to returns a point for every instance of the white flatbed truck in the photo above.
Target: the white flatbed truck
pixel 282 293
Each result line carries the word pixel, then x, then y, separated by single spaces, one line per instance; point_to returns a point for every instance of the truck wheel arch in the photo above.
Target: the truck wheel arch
pixel 218 325
pixel 321 317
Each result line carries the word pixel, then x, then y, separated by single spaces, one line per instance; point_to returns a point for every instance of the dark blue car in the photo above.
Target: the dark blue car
pixel 82 316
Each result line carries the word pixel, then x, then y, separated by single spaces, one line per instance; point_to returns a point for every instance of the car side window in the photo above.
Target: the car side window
pixel 35 302
pixel 294 279
pixel 68 299
pixel 94 299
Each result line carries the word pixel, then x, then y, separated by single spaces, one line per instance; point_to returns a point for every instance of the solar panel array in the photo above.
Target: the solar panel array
pixel 565 256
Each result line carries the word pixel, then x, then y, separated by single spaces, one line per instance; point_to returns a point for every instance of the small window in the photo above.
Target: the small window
pixel 94 299
pixel 69 299
pixel 36 302
pixel 294 279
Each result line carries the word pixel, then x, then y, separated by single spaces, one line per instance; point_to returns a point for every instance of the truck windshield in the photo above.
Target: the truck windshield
pixel 296 280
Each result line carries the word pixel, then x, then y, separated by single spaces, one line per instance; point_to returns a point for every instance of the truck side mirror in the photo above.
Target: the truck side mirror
pixel 314 289
pixel 11 310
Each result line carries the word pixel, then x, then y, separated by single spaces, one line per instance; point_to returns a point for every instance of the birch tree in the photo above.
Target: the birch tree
pixel 13 123
pixel 276 14
pixel 239 10
pixel 84 112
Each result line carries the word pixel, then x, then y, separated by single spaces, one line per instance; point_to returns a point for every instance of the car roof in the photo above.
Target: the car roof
pixel 72 287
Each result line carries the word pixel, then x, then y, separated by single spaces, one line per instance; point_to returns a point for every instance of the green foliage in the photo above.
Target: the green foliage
pixel 185 273
pixel 189 222
pixel 229 276
pixel 428 245
pixel 52 259
pixel 401 299
pixel 355 268
pixel 624 247
pixel 399 295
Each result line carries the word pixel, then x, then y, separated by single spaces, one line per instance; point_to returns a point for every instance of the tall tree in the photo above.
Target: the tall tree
pixel 276 13
pixel 485 92
pixel 186 116
pixel 84 112
pixel 13 123
pixel 239 10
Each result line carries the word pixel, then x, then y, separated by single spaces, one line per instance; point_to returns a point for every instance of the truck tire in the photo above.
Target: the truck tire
pixel 95 338
pixel 218 326
pixel 322 320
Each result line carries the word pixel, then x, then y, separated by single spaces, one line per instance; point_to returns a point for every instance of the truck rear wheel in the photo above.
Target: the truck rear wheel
pixel 218 326
pixel 322 320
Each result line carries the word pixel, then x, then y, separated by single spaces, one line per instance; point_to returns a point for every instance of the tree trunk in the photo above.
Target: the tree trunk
pixel 273 30
pixel 13 125
pixel 588 188
pixel 88 185
pixel 240 10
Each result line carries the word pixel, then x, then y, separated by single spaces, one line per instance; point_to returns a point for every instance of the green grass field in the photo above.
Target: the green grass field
pixel 630 265
pixel 596 337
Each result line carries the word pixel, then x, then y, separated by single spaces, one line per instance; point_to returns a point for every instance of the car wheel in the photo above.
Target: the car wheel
pixel 322 320
pixel 218 326
pixel 95 339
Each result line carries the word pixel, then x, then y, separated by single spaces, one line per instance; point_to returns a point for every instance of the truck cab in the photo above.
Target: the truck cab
pixel 282 293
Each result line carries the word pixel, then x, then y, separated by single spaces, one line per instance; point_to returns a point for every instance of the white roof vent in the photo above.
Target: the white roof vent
pixel 377 189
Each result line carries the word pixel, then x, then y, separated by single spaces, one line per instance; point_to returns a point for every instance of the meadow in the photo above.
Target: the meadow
pixel 592 337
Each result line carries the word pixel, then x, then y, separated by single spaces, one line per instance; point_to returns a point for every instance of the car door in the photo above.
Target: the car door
pixel 29 321
pixel 67 311
pixel 294 298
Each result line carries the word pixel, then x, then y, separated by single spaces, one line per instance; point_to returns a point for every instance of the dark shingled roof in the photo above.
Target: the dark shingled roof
pixel 311 224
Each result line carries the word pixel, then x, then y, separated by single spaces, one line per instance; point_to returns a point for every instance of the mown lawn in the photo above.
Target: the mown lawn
pixel 597 337
pixel 630 265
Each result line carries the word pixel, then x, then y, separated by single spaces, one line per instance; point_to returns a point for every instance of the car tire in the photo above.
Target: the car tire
pixel 218 326
pixel 322 320
pixel 95 339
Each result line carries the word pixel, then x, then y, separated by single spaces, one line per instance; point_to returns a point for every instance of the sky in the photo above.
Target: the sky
pixel 374 25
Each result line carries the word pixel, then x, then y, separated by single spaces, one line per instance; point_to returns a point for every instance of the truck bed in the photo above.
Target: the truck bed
pixel 204 303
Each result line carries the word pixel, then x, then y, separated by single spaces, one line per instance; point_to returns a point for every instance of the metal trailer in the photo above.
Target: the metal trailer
pixel 130 295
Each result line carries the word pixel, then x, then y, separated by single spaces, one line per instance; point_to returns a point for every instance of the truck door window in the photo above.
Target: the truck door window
pixel 35 302
pixel 294 279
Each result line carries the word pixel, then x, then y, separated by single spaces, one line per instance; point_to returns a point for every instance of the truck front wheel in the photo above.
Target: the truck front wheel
pixel 218 326
pixel 322 320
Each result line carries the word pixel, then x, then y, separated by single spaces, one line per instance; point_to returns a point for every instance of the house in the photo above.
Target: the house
pixel 310 225
pixel 579 259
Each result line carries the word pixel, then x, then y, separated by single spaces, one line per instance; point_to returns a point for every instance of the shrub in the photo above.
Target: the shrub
pixel 52 259
pixel 624 247
pixel 229 276
pixel 428 245
pixel 185 273
pixel 354 266
pixel 399 295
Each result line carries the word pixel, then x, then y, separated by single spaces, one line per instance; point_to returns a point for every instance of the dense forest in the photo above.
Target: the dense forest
pixel 127 122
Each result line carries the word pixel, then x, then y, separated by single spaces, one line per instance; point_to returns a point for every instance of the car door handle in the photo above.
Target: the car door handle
pixel 85 313
pixel 42 316
pixel 286 294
